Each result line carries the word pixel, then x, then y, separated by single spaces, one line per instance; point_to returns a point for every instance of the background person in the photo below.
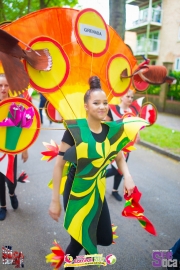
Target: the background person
pixel 4 89
pixel 117 112
pixel 42 103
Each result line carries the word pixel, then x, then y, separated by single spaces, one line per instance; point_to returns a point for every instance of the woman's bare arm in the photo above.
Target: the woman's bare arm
pixel 55 207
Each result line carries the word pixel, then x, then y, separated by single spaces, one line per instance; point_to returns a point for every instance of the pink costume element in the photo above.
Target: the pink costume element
pixel 19 117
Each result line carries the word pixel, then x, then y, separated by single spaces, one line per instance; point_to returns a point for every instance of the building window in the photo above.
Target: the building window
pixel 177 64
pixel 154 41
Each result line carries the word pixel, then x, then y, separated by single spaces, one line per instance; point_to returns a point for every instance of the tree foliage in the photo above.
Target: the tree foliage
pixel 11 10
pixel 174 89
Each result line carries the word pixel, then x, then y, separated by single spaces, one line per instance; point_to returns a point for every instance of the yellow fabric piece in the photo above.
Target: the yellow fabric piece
pixel 1 69
pixel 49 258
pixel 63 179
pixel 114 228
pixel 102 187
pixel 74 228
pixel 45 157
pixel 82 148
pixel 104 166
pixel 99 147
pixel 97 163
pixel 115 144
pixel 115 101
pixel 133 127
pixel 131 148
pixel 60 97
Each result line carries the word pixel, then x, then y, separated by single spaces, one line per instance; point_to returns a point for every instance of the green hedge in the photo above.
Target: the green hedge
pixel 154 90
pixel 174 89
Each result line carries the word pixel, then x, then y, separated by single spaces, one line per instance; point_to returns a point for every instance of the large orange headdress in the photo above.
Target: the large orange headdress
pixel 81 45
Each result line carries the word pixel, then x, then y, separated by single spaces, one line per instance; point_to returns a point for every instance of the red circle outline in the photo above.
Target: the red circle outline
pixel 78 36
pixel 128 114
pixel 48 115
pixel 154 107
pixel 107 75
pixel 137 89
pixel 53 89
pixel 29 104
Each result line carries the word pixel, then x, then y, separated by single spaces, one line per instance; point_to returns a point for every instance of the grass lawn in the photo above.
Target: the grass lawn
pixel 165 138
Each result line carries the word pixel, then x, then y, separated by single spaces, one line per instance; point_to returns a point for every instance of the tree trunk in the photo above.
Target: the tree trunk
pixel 29 7
pixel 117 16
pixel 44 4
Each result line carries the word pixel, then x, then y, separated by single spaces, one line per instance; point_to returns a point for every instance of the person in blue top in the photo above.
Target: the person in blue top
pixel 42 103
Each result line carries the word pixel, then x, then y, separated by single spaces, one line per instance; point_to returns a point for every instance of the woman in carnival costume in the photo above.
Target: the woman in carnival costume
pixel 90 145
pixel 11 165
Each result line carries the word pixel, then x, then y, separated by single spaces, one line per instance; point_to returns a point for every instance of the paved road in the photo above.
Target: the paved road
pixel 31 230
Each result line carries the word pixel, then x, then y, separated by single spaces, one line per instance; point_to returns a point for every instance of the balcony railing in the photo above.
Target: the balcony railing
pixel 155 17
pixel 145 46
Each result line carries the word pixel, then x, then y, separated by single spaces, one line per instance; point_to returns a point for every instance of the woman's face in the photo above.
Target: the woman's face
pixel 97 105
pixel 127 99
pixel 4 88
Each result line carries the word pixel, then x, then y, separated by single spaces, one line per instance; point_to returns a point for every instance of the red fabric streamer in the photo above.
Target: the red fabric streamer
pixel 133 209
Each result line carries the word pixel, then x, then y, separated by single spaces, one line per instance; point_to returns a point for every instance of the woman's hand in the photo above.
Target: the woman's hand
pixel 55 210
pixel 128 185
pixel 24 155
pixel 128 181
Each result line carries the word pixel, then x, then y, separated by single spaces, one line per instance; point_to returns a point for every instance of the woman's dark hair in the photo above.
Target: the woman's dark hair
pixel 95 85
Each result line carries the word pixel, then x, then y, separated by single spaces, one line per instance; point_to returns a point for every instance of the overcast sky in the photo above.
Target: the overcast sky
pixel 102 6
